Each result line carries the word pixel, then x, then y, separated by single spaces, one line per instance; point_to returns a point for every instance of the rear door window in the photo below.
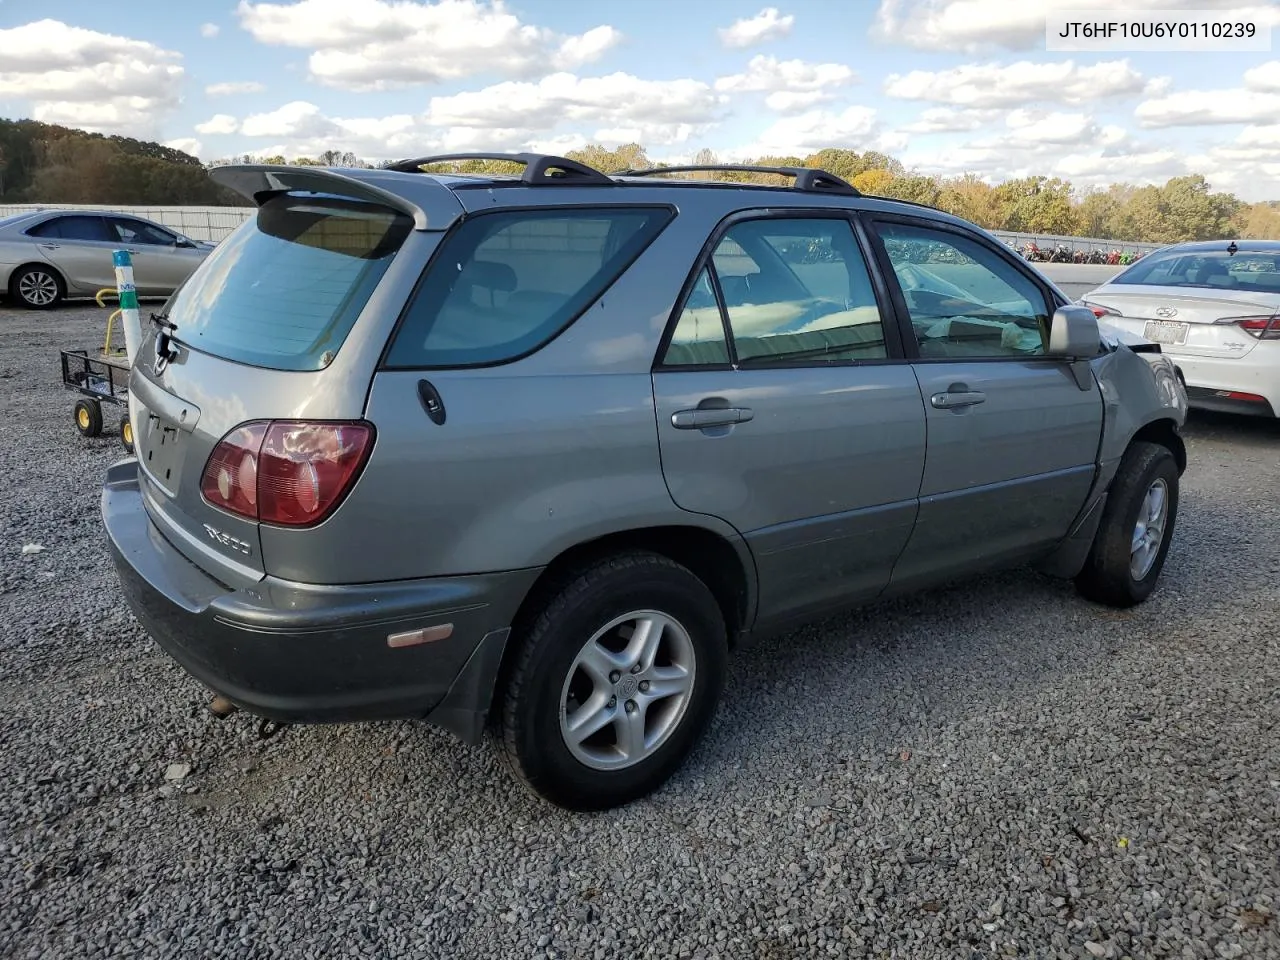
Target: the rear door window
pixel 75 228
pixel 795 291
pixel 284 290
pixel 504 284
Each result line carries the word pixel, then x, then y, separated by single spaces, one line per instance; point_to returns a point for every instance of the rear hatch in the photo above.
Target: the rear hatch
pixel 1185 323
pixel 247 389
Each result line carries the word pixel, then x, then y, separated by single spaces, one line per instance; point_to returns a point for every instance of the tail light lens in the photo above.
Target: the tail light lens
pixel 1100 311
pixel 1262 328
pixel 286 472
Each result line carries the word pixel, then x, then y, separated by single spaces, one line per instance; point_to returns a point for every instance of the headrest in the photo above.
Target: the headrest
pixel 489 274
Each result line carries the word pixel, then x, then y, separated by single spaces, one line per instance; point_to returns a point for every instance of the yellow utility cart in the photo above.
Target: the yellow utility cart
pixel 101 377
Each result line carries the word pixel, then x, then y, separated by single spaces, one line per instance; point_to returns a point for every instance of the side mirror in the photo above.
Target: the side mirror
pixel 182 243
pixel 1073 333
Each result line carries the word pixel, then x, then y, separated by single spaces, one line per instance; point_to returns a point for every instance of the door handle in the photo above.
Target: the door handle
pixel 51 246
pixel 703 417
pixel 961 398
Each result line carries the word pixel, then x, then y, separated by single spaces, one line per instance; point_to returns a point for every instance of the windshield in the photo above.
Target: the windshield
pixel 284 289
pixel 1212 269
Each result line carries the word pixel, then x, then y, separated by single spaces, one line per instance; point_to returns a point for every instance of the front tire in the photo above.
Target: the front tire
pixel 37 287
pixel 1136 529
pixel 88 417
pixel 616 679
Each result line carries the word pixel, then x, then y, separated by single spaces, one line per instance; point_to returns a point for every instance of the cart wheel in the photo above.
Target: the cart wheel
pixel 126 433
pixel 89 417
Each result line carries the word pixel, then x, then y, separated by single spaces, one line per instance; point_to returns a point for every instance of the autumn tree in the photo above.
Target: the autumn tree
pixel 1037 205
pixel 914 188
pixel 874 182
pixel 972 199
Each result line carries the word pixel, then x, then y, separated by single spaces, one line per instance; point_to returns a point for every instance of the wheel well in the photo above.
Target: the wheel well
pixel 49 267
pixel 709 556
pixel 1165 433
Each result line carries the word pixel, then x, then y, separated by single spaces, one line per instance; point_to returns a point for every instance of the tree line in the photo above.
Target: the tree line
pixel 40 163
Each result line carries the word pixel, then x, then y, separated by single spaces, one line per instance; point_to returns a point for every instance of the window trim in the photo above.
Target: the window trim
pixel 704 260
pixel 911 348
pixel 58 218
pixel 396 328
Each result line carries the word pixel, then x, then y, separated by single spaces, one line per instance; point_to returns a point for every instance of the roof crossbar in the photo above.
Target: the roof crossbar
pixel 806 179
pixel 539 169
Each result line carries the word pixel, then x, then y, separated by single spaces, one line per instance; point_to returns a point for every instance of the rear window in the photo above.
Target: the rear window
pixel 284 290
pixel 503 284
pixel 1207 269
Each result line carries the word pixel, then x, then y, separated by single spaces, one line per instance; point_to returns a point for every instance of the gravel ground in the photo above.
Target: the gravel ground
pixel 994 770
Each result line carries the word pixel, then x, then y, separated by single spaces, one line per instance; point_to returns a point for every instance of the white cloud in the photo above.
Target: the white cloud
pixel 1149 166
pixel 991 85
pixel 1051 129
pixel 1260 136
pixel 220 124
pixel 951 120
pixel 186 145
pixel 1071 145
pixel 807 132
pixel 232 88
pixel 663 111
pixel 790 84
pixel 209 30
pixel 382 44
pixel 88 79
pixel 976 26
pixel 1257 102
pixel 766 25
pixel 1193 108
pixel 300 128
pixel 1264 77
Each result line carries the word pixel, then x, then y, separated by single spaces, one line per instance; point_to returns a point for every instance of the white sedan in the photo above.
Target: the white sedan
pixel 1214 308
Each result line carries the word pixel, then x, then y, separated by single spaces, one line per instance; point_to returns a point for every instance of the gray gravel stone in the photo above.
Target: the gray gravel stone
pixel 994 770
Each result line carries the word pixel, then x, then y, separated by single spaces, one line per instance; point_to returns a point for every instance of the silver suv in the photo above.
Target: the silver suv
pixel 539 451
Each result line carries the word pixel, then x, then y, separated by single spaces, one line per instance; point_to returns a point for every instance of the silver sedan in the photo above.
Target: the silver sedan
pixel 50 255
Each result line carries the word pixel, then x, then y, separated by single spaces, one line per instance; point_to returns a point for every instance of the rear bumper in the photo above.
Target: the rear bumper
pixel 310 654
pixel 1249 385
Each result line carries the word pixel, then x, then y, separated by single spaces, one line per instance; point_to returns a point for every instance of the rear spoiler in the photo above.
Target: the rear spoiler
pixel 431 204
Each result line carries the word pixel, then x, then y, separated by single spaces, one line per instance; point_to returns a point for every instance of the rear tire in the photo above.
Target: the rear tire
pixel 37 287
pixel 1136 529
pixel 126 433
pixel 89 418
pixel 583 659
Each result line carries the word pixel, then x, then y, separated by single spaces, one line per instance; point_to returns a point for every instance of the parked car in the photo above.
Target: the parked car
pixel 50 255
pixel 1214 308
pixel 538 452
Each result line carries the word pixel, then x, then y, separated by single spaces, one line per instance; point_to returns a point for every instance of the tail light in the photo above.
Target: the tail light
pixel 1262 328
pixel 1100 311
pixel 286 472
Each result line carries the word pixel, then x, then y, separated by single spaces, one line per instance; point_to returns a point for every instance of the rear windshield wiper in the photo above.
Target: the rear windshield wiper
pixel 165 338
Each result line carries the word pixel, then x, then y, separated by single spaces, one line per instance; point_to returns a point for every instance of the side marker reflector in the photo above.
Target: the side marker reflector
pixel 412 638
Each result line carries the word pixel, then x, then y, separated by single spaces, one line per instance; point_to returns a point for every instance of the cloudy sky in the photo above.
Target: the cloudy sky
pixel 948 86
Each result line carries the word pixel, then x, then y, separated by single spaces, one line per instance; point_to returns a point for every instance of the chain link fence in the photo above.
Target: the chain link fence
pixel 214 223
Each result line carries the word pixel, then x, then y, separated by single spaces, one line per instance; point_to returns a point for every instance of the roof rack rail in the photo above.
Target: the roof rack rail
pixel 806 179
pixel 538 168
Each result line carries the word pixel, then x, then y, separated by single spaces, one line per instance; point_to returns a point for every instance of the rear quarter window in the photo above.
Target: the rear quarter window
pixel 504 284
